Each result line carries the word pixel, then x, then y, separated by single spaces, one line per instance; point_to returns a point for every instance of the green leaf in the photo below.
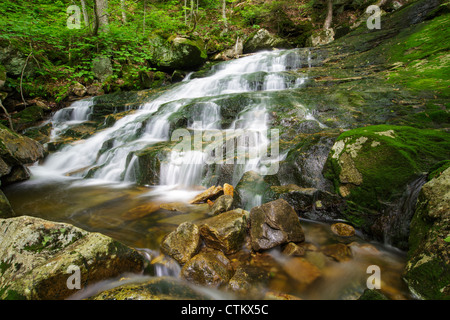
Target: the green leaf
pixel 447 239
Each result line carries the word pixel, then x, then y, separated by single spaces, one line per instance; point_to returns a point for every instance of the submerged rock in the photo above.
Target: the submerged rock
pixel 37 257
pixel 183 243
pixel 427 271
pixel 338 251
pixel 274 223
pixel 160 288
pixel 343 229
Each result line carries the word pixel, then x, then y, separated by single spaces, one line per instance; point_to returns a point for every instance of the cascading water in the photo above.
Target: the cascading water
pixel 106 155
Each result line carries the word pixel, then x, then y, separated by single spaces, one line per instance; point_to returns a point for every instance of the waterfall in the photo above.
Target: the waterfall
pixel 110 154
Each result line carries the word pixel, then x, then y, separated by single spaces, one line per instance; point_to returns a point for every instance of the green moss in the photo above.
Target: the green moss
pixel 429 279
pixel 369 294
pixel 423 50
pixel 388 161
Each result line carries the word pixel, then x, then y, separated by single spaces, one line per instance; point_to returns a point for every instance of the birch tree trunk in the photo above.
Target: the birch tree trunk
pixel 224 14
pixel 329 17
pixel 101 13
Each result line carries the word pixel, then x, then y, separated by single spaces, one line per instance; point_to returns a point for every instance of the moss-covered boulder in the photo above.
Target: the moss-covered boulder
pixel 427 271
pixel 177 53
pixel 264 40
pixel 37 256
pixel 371 167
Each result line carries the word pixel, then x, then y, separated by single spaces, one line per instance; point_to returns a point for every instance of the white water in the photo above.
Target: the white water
pixel 107 153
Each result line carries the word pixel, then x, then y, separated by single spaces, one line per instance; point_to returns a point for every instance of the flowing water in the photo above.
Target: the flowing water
pixel 94 187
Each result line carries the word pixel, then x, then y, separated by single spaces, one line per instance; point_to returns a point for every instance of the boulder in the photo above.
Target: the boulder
pixel 183 243
pixel 274 223
pixel 372 168
pixel 322 37
pixel 36 257
pixel 251 186
pixel 208 268
pixel 226 231
pixel 427 271
pixel 15 152
pixel 338 251
pixel 102 68
pixel 177 53
pixel 264 40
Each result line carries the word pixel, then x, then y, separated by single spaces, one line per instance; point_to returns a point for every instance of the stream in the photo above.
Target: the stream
pixel 95 188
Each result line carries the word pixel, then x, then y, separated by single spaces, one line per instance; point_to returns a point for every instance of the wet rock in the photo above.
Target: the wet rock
pixel 35 256
pixel 5 207
pixel 208 268
pixel 339 252
pixel 274 223
pixel 343 229
pixel 302 271
pixel 226 231
pixel 160 288
pixel 175 206
pixel 310 203
pixel 78 89
pixel 222 204
pixel 16 151
pixel 183 243
pixel 212 193
pixel 291 249
pixel 427 271
pixel 317 258
pixel 249 281
pixel 251 186
pixel 322 37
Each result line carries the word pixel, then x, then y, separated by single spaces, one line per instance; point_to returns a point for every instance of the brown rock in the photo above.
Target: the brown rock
pixel 228 189
pixel 210 194
pixel 209 267
pixel 339 252
pixel 140 211
pixel 343 230
pixel 291 249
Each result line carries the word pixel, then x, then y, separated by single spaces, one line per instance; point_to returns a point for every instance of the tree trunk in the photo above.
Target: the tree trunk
pixel 329 17
pixel 85 14
pixel 224 14
pixel 124 11
pixel 101 13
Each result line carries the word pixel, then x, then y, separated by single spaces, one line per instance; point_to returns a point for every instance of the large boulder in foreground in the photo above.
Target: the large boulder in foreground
pixel 427 271
pixel 37 258
pixel 274 223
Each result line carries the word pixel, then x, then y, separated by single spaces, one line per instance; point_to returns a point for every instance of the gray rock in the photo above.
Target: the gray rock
pixel 102 68
pixel 273 224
